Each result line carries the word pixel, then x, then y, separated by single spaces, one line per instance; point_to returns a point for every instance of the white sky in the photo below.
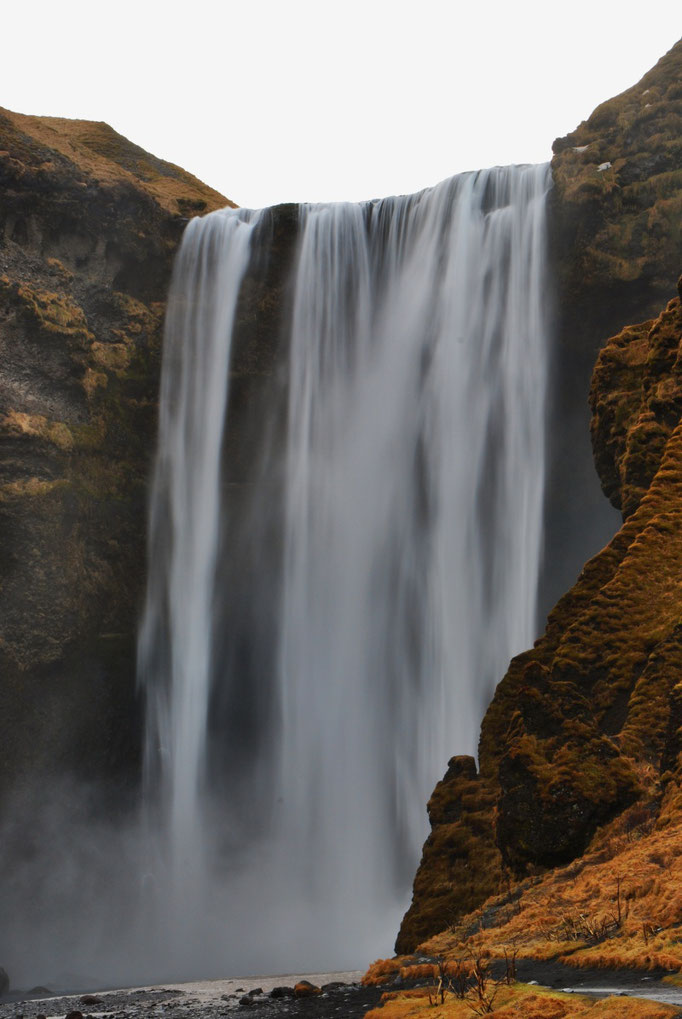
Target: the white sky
pixel 309 100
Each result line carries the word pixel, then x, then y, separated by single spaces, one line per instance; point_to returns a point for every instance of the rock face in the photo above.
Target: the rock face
pixel 618 198
pixel 587 723
pixel 616 249
pixel 88 227
pixel 636 401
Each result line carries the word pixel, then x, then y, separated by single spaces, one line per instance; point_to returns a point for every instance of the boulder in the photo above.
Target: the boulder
pixel 304 989
pixel 282 992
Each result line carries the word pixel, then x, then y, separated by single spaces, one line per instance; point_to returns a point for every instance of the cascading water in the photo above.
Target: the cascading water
pixel 174 654
pixel 409 535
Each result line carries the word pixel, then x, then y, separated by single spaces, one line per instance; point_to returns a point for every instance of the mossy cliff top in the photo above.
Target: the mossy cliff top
pixel 616 248
pixel 86 153
pixel 618 197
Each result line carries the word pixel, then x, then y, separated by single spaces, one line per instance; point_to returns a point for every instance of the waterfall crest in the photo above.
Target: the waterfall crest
pixel 409 537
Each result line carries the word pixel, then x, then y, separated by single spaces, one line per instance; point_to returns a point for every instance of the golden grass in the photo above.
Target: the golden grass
pixel 17 423
pixel 54 314
pixel 381 971
pixel 109 158
pixel 518 1001
pixel 114 357
pixel 29 487
pixel 619 906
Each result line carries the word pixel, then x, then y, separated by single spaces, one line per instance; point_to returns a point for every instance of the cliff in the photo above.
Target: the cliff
pixel 89 224
pixel 582 735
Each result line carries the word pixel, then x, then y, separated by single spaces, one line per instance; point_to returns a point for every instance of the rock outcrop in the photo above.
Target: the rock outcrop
pixel 614 220
pixel 88 227
pixel 586 725
pixel 618 200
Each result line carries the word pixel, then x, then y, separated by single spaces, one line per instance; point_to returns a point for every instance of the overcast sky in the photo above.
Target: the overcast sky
pixel 322 101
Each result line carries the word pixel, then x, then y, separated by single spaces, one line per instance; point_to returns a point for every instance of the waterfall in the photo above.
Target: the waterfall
pixel 174 652
pixel 408 518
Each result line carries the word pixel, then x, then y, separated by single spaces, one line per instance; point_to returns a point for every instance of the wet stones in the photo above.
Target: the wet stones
pixel 248 1000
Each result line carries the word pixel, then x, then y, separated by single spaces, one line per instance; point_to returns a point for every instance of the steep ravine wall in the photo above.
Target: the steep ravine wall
pixel 88 227
pixel 585 724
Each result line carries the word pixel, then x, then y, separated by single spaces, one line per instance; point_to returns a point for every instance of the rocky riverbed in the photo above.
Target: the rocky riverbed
pixel 313 996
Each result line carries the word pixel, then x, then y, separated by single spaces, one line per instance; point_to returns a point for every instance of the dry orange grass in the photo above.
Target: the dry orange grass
pixel 97 150
pixel 381 971
pixel 519 1002
pixel 618 907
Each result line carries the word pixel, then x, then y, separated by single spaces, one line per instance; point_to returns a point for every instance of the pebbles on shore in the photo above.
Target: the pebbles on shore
pixel 313 996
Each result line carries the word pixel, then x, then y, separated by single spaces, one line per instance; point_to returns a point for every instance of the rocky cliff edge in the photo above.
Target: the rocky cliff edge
pixel 89 224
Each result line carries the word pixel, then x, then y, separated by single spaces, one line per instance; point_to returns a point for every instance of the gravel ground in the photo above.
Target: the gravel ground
pixel 271 997
pixel 600 983
pixel 342 997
